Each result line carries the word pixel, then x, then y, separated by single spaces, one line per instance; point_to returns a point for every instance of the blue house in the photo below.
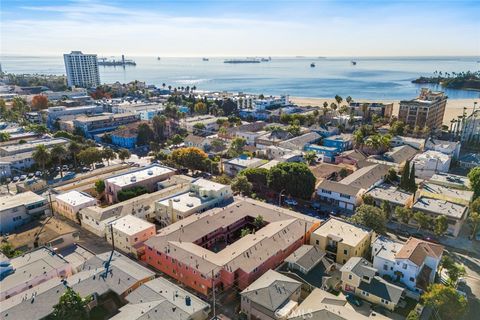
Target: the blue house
pixel 341 142
pixel 124 139
pixel 328 153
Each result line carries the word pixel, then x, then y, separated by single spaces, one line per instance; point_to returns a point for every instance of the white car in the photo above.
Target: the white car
pixel 291 202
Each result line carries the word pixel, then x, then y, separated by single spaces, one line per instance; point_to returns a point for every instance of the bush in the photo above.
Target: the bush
pixel 131 193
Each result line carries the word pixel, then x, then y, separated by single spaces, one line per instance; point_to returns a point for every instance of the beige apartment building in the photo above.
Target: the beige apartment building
pixel 341 240
pixel 425 110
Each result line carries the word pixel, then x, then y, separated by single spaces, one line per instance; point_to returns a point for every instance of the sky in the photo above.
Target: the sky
pixel 241 28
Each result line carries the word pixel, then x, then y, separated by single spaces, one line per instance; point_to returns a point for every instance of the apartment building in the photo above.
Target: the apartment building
pixel 394 196
pixel 129 234
pixel 471 128
pixel 366 109
pixel 203 195
pixel 426 110
pixel 346 194
pixel 431 162
pixel 58 113
pixel 30 146
pixel 70 203
pixel 146 177
pixel 93 125
pixel 20 209
pixel 234 166
pixel 207 249
pixel 82 69
pixel 413 263
pixel 341 240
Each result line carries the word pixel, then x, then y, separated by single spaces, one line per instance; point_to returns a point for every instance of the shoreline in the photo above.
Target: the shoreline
pixel 452 111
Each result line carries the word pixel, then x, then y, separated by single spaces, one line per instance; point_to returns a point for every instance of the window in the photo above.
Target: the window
pixel 346 196
pixel 350 277
pixel 404 266
pixel 412 279
pixel 326 191
pixel 345 251
pixel 317 242
pixel 385 267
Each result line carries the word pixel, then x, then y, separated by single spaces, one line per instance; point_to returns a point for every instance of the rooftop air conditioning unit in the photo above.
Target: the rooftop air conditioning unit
pixel 133 179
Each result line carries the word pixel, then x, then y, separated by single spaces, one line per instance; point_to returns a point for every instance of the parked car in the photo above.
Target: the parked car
pixel 23 177
pixel 15 179
pixel 30 175
pixel 354 300
pixel 86 169
pixel 38 173
pixel 64 167
pixel 99 165
pixel 58 169
pixel 291 202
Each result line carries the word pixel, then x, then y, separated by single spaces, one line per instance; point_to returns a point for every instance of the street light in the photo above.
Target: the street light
pixel 280 198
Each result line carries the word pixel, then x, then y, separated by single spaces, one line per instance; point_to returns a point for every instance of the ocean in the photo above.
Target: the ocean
pixel 371 78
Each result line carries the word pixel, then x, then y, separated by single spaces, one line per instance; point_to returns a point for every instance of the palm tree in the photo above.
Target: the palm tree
pixel 59 153
pixel 338 99
pixel 163 85
pixel 169 88
pixel 41 155
pixel 74 148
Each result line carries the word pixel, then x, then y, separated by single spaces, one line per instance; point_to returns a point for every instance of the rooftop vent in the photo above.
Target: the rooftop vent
pixel 150 172
pixel 133 179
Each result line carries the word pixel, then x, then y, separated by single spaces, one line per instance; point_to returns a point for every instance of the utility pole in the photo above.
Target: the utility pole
pixel 213 288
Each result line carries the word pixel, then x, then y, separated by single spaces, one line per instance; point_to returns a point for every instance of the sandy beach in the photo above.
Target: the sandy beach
pixel 453 110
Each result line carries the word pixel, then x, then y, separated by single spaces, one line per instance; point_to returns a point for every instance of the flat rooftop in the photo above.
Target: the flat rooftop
pixel 446 191
pixel 31 265
pixel 185 202
pixel 348 233
pixel 20 199
pixel 208 185
pixel 283 229
pixel 246 162
pixel 440 207
pixel 16 148
pixel 131 225
pixel 138 175
pixel 390 193
pixel 386 248
pixel 74 198
pixel 451 179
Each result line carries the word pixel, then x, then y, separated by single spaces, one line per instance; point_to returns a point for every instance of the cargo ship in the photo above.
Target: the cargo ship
pixel 248 60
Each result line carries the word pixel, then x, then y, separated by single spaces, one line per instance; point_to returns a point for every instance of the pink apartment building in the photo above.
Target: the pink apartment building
pixel 207 248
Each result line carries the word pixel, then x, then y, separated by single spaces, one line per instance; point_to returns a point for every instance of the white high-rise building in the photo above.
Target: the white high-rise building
pixel 82 69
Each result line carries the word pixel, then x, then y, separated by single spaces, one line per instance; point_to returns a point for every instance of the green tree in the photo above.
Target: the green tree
pixel 391 175
pixel 99 186
pixel 223 179
pixel 257 176
pixel 74 148
pixel 474 177
pixel 295 178
pixel 386 208
pixel 130 193
pixel 474 221
pixel 455 272
pixel 89 156
pixel 7 249
pixel 241 185
pixel 191 158
pixel 404 179
pixel 423 221
pixel 244 232
pixel 338 99
pixel 159 124
pixel 412 186
pixel 475 205
pixel 368 199
pixel 413 315
pixel 236 147
pixel 343 173
pixel 259 221
pixel 404 214
pixel 440 225
pixel 41 155
pixel 145 134
pixel 58 154
pixel 108 154
pixel 200 107
pixel 70 306
pixel 370 217
pixel 310 157
pixel 123 154
pixel 446 301
pixel 4 136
